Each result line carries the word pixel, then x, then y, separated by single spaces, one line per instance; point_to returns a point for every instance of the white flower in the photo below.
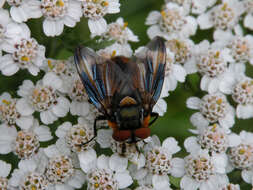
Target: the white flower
pixel 96 10
pixel 222 16
pixel 25 53
pixel 202 171
pixel 213 138
pixel 22 10
pixel 10 115
pixel 10 31
pixel 230 186
pixel 44 98
pixel 58 13
pixel 64 69
pixel 172 22
pixel 199 6
pixel 24 143
pixel 62 170
pixel 160 107
pixel 213 108
pixel 5 170
pixel 160 163
pixel 248 19
pixel 116 49
pixel 27 176
pixel 242 94
pixel 104 171
pixel 174 73
pixel 186 4
pixel 76 137
pixel 119 32
pixel 241 155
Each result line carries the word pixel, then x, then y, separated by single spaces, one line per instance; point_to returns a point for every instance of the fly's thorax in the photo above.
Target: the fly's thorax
pixel 129 117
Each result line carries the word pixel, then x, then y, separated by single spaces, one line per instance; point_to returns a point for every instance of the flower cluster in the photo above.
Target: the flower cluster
pixel 46 123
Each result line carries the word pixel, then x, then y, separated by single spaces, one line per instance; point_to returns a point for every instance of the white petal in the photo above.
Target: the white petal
pixel 77 180
pixel 79 108
pixel 63 187
pixel 33 70
pixel 187 183
pixel 27 165
pixel 205 81
pixel 51 79
pixel 118 163
pixel 229 120
pixel 7 66
pixel 97 27
pixel 204 21
pixel 7 138
pixel 53 28
pixel 161 182
pixel 62 107
pixel 43 133
pixel 198 120
pixel 248 21
pixel 244 111
pixel 5 169
pixel 160 107
pixel 177 169
pixel 220 162
pixel 25 122
pixel 63 129
pixel 234 139
pixel 247 175
pixel 153 18
pixel 179 72
pixel 193 103
pixel 124 179
pixel 51 151
pixel 103 162
pixel 191 145
pixel 171 145
pixel 190 66
pixel 25 88
pixel 24 108
pixel 213 85
pixel 113 6
pixel 18 14
pixel 104 138
pixel 47 117
pixel 87 160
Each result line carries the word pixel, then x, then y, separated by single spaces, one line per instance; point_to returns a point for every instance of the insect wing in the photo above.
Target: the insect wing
pixel 151 69
pixel 101 78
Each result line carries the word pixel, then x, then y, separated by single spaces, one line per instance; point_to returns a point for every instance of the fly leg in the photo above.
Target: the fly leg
pixel 98 118
pixel 155 115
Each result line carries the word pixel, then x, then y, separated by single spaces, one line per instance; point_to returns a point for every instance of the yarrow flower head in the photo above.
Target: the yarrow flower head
pixel 58 13
pixel 201 170
pixel 24 53
pixel 171 22
pixel 105 172
pixel 95 10
pixel 77 137
pixel 223 16
pixel 213 108
pixel 5 171
pixel 28 176
pixel 24 143
pixel 242 94
pixel 22 10
pixel 44 98
pixel 62 170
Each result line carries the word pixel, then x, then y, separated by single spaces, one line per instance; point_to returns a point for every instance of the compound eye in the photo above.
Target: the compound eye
pixel 121 135
pixel 142 132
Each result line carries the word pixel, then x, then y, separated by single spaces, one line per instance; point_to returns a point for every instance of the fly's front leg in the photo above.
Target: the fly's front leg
pixel 155 115
pixel 98 118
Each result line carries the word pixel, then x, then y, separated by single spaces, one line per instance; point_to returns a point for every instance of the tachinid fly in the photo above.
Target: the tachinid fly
pixel 124 90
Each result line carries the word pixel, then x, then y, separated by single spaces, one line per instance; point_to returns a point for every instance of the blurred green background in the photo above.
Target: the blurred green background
pixel 175 122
